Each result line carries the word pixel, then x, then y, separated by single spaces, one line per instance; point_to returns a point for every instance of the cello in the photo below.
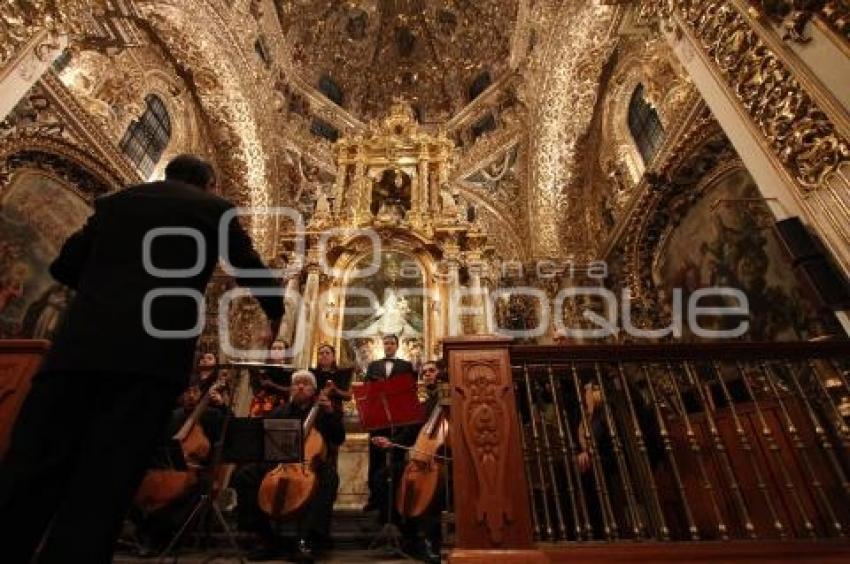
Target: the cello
pixel 162 486
pixel 421 476
pixel 288 488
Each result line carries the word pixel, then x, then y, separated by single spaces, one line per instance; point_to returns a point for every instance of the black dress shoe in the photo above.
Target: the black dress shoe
pixel 263 553
pixel 304 552
pixel 429 554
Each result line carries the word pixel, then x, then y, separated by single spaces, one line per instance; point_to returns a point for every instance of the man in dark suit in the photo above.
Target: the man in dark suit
pixel 104 393
pixel 389 365
pixel 382 369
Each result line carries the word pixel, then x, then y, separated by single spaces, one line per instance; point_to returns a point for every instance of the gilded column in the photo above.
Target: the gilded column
pixel 308 312
pixel 341 174
pixel 287 326
pixel 361 187
pixel 477 298
pixel 489 314
pixel 454 321
pixel 424 199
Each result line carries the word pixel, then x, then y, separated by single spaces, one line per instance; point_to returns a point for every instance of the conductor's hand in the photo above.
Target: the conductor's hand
pixel 382 442
pixel 324 402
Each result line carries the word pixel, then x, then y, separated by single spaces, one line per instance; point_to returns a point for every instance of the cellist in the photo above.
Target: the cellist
pixel 313 523
pixel 155 525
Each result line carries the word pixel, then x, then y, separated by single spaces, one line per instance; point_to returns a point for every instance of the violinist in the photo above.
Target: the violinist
pixel 313 523
pixel 428 550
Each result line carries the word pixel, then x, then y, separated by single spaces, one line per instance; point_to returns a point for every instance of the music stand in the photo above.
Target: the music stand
pixel 254 440
pixel 387 404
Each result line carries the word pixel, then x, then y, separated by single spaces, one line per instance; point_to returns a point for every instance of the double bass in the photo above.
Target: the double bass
pixel 289 487
pixel 162 486
pixel 421 476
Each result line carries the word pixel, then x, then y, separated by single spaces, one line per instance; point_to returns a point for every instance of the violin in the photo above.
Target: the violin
pixel 287 488
pixel 162 486
pixel 420 479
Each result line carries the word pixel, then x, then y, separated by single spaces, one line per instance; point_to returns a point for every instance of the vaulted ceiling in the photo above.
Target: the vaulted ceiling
pixel 436 54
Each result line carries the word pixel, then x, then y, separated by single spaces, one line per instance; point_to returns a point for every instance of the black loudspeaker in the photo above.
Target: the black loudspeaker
pixel 829 285
pixel 813 268
pixel 798 243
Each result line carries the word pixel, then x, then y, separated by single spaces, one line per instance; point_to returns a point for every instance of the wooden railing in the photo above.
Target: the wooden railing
pixel 559 448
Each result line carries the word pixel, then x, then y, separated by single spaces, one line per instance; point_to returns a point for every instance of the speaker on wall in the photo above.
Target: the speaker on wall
pixel 829 285
pixel 798 242
pixel 813 267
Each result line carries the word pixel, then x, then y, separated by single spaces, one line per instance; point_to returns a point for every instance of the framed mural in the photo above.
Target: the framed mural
pixel 721 242
pixel 37 213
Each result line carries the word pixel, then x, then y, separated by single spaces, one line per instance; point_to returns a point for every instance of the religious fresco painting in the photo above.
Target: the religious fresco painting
pixel 398 287
pixel 720 242
pixel 37 214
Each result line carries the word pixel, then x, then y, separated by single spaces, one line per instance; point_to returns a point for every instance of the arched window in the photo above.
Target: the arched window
pixel 331 89
pixel 62 61
pixel 645 126
pixel 479 84
pixel 147 137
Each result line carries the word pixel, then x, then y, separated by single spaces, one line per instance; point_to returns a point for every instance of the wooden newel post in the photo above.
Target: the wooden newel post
pixel 19 359
pixel 490 489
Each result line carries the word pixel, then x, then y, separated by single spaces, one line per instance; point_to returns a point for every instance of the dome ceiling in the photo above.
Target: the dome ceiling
pixel 436 54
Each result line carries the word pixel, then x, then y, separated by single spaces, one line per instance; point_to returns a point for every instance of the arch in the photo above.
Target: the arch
pixel 203 42
pixel 84 174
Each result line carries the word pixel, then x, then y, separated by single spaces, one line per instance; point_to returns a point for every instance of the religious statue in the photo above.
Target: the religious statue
pixel 391 196
pixel 393 317
pixel 448 202
pixel 323 206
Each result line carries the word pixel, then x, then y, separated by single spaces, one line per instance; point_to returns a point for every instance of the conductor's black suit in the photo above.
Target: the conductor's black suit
pixel 105 391
pixel 386 368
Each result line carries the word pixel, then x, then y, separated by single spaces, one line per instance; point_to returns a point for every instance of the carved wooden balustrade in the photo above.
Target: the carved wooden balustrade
pixel 559 449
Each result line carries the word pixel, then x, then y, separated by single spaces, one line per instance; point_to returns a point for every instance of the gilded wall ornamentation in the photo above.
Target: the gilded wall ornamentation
pixel 21 22
pixel 51 120
pixel 231 114
pixel 430 53
pixel 560 92
pixel 800 134
pixel 795 16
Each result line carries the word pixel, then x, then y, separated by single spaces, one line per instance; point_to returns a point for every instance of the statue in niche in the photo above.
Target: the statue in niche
pixel 322 211
pixel 449 206
pixel 323 205
pixel 391 195
pixel 394 317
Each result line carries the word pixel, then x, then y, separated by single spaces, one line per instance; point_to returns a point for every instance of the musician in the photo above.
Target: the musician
pixel 63 458
pixel 326 369
pixel 220 392
pixel 382 369
pixel 156 528
pixel 429 523
pixel 313 523
pixel 206 367
pixel 269 391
